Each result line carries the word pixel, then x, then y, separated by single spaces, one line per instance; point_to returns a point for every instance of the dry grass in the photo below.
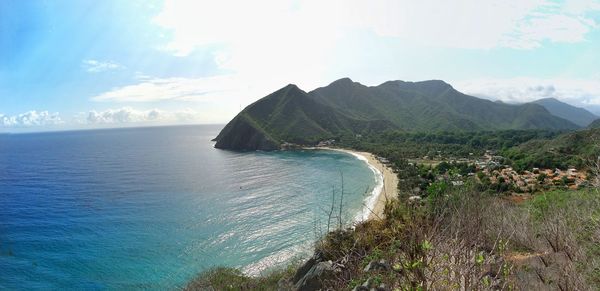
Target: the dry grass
pixel 442 245
pixel 462 238
pixel 466 239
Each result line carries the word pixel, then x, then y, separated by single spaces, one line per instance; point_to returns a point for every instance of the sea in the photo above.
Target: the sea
pixel 151 208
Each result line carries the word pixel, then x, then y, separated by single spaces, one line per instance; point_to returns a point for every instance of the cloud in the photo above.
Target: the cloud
pixel 555 28
pixel 228 91
pixel 95 66
pixel 163 89
pixel 259 46
pixel 31 119
pixel 579 92
pixel 471 24
pixel 129 115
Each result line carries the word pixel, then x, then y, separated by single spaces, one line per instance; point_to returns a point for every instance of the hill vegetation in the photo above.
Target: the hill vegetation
pixel 574 149
pixel 446 144
pixel 595 124
pixel 349 108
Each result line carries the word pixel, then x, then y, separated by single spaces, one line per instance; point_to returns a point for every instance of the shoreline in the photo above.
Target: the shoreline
pixel 386 188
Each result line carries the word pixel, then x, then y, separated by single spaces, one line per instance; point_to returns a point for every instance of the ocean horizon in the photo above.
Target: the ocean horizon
pixel 152 207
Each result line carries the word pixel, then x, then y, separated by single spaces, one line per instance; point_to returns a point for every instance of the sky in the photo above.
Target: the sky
pixel 87 64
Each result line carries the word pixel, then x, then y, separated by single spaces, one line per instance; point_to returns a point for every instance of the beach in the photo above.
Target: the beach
pixel 386 190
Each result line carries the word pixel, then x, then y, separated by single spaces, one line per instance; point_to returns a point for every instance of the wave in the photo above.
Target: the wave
pixel 371 199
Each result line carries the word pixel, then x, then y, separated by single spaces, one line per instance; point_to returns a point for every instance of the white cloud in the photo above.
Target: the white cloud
pixel 556 28
pixel 30 119
pixel 579 92
pixel 95 66
pixel 475 24
pixel 266 44
pixel 306 25
pixel 129 115
pixel 226 93
pixel 468 24
pixel 166 89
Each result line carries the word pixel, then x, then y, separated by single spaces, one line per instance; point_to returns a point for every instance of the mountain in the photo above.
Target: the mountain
pixel 595 124
pixel 289 115
pixel 574 114
pixel 346 107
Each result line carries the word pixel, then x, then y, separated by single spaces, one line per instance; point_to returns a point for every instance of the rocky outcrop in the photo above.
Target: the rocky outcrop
pixel 310 275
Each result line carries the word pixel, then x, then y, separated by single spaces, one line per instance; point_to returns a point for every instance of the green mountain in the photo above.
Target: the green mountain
pixel 570 149
pixel 595 124
pixel 347 107
pixel 571 113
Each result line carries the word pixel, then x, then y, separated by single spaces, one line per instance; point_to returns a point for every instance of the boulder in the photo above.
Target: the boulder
pixel 380 265
pixel 310 275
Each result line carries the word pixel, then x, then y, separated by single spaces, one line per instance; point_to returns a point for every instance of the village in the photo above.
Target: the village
pixel 490 169
pixel 532 180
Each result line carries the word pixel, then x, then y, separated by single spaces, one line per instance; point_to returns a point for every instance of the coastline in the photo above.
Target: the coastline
pixel 386 188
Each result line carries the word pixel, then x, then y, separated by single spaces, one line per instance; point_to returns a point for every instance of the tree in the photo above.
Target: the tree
pixel 542 177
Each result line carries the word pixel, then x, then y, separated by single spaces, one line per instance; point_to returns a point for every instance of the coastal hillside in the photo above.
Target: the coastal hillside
pixel 290 115
pixel 345 107
pixel 574 149
pixel 569 112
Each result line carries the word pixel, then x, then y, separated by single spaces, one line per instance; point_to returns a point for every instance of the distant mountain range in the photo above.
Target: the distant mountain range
pixel 574 114
pixel 346 107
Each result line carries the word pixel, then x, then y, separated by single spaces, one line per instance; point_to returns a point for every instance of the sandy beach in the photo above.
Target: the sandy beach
pixel 390 182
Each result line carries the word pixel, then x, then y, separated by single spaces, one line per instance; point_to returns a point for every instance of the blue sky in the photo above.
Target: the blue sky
pixel 82 64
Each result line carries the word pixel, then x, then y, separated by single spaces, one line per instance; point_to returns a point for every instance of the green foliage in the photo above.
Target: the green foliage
pixel 435 193
pixel 445 144
pixel 595 124
pixel 479 258
pixel 232 279
pixel 569 149
pixel 541 177
pixel 570 222
pixel 437 189
pixel 543 203
pixel 426 246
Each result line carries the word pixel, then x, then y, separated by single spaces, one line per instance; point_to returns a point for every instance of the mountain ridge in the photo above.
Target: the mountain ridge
pixel 345 107
pixel 594 124
pixel 577 115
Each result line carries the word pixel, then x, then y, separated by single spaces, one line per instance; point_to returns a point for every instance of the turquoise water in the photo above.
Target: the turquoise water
pixel 149 208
